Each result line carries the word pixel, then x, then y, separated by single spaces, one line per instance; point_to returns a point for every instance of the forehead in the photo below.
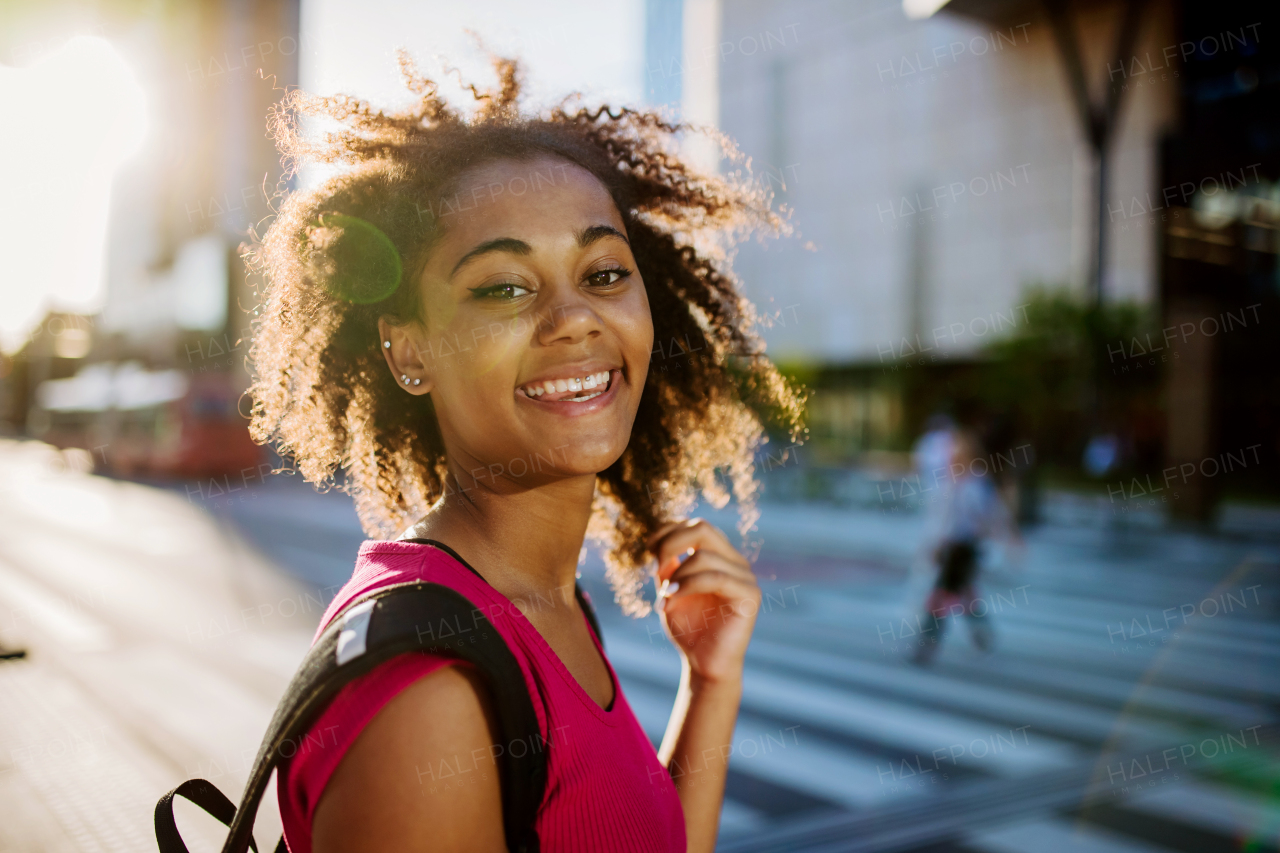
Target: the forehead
pixel 526 199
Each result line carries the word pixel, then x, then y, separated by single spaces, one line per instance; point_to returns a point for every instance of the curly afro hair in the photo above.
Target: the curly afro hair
pixel 322 393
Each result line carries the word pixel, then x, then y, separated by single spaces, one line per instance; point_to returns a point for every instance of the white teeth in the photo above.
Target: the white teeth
pixel 559 386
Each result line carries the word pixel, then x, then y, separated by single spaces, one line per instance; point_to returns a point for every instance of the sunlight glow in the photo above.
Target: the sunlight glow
pixel 917 9
pixel 74 117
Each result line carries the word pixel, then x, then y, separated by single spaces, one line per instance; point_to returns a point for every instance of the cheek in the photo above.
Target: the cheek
pixel 473 403
pixel 483 370
pixel 476 346
pixel 509 335
pixel 499 345
pixel 634 322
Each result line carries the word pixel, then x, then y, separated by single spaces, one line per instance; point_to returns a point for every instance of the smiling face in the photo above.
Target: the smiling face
pixel 536 333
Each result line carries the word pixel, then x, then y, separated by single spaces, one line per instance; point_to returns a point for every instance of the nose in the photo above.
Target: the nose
pixel 570 319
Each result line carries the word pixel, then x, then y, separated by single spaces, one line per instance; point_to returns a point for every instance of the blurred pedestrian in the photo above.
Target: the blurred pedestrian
pixel 935 446
pixel 973 513
pixel 932 459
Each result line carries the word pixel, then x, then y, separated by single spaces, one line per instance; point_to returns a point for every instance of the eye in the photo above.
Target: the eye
pixel 502 291
pixel 604 278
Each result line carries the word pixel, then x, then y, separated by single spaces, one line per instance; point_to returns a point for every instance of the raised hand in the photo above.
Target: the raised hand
pixel 708 597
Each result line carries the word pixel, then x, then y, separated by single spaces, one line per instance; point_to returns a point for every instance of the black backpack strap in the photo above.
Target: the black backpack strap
pixel 203 794
pixel 369 631
pixel 583 601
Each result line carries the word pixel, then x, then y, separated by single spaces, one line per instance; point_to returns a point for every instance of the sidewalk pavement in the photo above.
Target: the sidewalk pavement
pixel 158 646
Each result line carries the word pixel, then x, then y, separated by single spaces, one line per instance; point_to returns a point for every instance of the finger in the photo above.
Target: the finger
pixel 677 569
pixel 662 531
pixel 705 561
pixel 689 528
pixel 672 562
pixel 705 565
pixel 696 535
pixel 720 584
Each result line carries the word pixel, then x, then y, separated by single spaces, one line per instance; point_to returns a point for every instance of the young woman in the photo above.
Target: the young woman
pixel 498 330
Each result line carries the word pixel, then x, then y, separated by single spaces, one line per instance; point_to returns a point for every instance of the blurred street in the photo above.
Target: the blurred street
pixel 1014 260
pixel 1129 703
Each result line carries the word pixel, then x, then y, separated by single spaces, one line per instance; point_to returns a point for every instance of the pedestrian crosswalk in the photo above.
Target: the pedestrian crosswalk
pixel 1056 836
pixel 1093 740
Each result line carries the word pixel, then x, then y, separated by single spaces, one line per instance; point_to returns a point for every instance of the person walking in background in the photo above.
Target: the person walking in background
pixel 972 513
pixel 932 459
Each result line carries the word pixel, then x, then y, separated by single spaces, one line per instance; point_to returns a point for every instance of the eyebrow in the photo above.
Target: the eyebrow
pixel 502 244
pixel 585 238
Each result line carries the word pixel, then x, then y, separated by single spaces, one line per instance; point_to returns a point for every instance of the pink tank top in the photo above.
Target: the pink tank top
pixel 606 790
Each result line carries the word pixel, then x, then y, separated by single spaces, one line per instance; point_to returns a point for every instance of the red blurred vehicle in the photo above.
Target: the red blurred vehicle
pixel 168 425
pixel 205 433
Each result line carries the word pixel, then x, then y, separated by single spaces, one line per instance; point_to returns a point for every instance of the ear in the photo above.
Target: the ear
pixel 400 345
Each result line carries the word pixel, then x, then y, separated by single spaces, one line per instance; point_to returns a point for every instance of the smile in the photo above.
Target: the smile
pixel 570 389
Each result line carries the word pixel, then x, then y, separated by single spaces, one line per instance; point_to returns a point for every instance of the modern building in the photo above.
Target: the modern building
pixel 936 168
pixel 178 298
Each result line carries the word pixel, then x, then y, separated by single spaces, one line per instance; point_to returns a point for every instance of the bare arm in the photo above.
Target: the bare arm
pixel 420 776
pixel 696 751
pixel 709 605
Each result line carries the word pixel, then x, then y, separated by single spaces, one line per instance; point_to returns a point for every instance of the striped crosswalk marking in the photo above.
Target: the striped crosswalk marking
pixel 832 661
pixel 1055 836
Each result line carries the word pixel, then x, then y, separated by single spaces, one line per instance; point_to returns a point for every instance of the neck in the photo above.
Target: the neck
pixel 524 540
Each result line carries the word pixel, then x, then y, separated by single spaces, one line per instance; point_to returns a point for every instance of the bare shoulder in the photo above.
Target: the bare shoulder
pixel 420 776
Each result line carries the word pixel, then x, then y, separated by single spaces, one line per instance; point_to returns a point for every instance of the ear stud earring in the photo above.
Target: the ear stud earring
pixel 386 344
pixel 404 379
pixel 417 381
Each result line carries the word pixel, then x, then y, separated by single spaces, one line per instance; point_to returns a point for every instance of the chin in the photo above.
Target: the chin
pixel 590 457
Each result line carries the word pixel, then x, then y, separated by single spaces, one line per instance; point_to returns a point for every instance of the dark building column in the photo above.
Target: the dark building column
pixel 1190 434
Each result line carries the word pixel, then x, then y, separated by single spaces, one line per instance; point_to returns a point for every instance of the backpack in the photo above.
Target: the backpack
pixel 370 630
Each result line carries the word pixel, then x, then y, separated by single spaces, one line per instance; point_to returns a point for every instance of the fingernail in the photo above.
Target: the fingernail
pixel 672 587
